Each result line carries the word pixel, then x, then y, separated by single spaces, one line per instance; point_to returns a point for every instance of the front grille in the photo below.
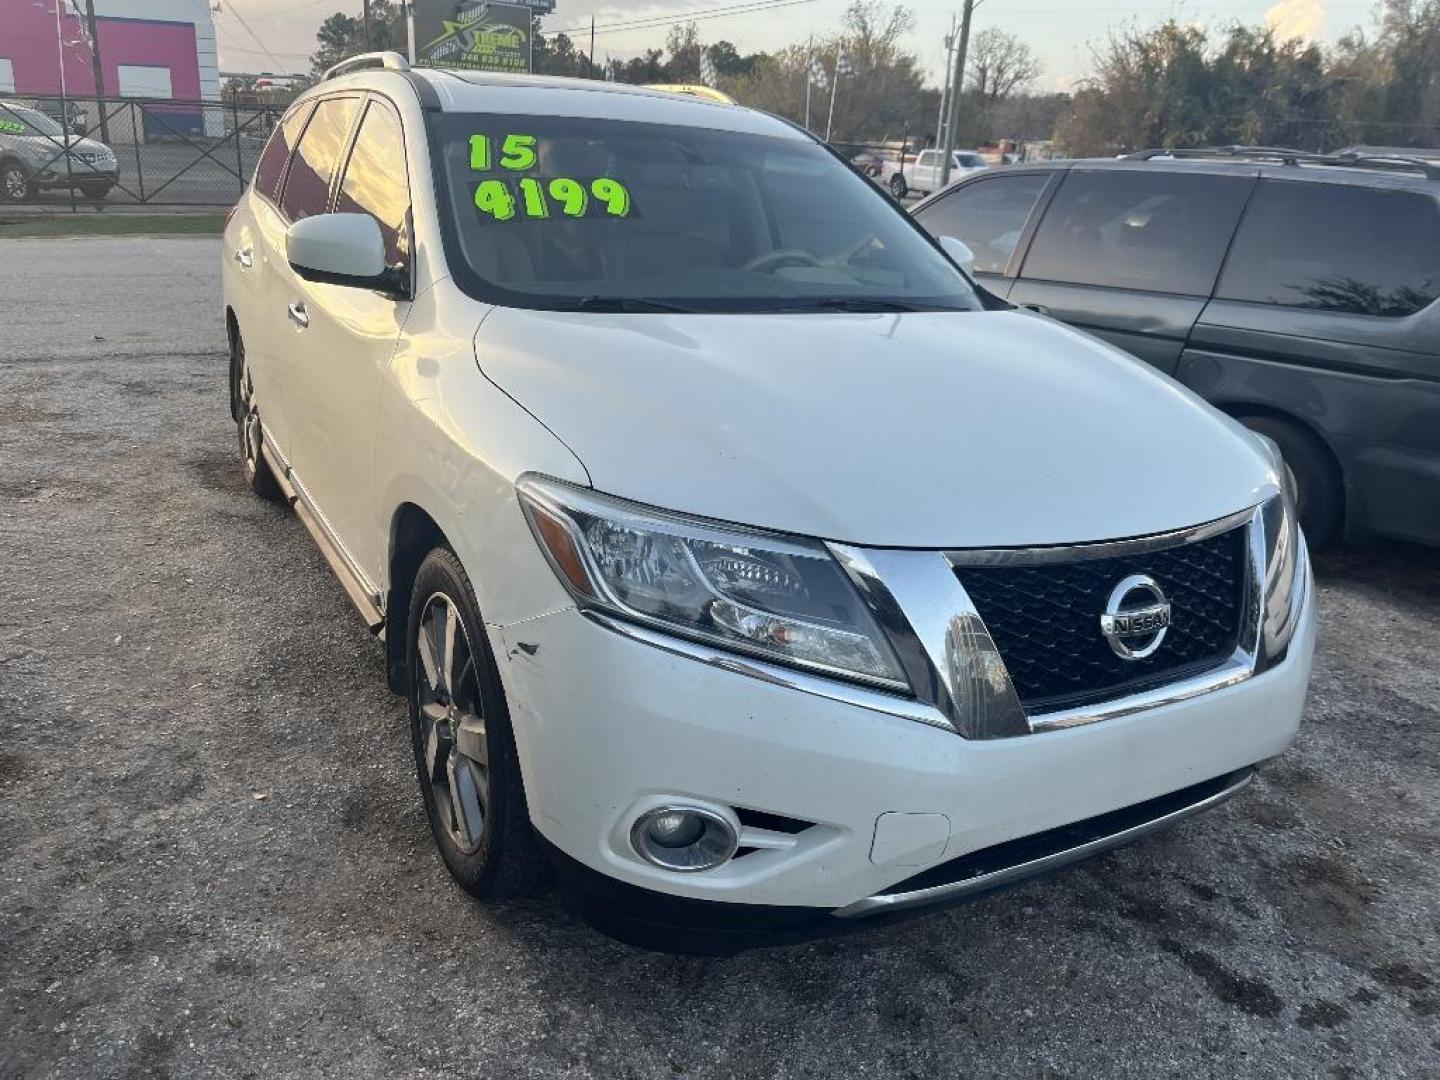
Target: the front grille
pixel 1045 619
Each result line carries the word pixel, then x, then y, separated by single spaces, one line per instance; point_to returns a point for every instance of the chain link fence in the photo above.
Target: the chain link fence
pixel 75 153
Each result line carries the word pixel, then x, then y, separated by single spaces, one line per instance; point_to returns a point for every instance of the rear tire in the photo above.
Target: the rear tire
pixel 249 433
pixel 465 757
pixel 1319 490
pixel 898 187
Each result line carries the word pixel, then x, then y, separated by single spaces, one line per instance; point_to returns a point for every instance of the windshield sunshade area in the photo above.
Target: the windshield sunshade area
pixel 574 213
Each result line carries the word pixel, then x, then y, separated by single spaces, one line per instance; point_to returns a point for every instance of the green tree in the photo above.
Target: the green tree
pixel 558 55
pixel 342 36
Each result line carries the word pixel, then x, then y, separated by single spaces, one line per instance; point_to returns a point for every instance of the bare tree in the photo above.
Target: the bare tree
pixel 1000 65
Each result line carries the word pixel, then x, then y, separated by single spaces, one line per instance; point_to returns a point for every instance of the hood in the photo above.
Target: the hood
pixel 49 148
pixel 935 430
pixel 83 145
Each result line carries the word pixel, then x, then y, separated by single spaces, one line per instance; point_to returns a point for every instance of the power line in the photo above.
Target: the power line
pixel 256 37
pixel 693 15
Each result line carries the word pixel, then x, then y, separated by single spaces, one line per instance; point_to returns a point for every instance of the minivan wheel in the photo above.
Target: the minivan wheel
pixel 247 425
pixel 14 183
pixel 1318 487
pixel 465 755
pixel 898 187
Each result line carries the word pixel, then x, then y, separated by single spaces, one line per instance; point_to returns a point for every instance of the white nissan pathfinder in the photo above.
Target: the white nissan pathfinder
pixel 739 559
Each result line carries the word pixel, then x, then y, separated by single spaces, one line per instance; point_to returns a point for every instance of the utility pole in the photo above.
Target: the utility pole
pixel 98 70
pixel 809 59
pixel 368 45
pixel 945 87
pixel 592 45
pixel 957 84
pixel 834 89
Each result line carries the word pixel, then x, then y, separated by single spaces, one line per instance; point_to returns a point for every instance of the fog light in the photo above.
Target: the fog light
pixel 683 838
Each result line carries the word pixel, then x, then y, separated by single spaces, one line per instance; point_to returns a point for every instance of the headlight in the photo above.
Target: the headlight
pixel 1284 566
pixel 780 597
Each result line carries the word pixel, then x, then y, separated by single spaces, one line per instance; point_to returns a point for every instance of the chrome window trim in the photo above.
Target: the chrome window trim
pixel 880 903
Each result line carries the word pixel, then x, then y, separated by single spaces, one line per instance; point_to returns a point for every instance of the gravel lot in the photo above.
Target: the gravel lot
pixel 213 860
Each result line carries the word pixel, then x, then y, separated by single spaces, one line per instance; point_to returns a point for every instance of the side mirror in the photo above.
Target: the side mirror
pixel 340 249
pixel 960 253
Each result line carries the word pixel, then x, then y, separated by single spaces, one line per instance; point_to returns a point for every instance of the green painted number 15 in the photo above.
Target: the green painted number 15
pixel 517 152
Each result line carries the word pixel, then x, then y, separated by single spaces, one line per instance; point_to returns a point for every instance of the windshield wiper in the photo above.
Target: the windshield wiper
pixel 863 303
pixel 626 304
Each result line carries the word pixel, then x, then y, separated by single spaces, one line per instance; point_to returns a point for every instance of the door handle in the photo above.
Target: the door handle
pixel 245 258
pixel 299 316
pixel 1039 309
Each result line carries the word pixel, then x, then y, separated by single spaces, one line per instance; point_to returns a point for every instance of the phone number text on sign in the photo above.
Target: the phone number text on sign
pixel 539 197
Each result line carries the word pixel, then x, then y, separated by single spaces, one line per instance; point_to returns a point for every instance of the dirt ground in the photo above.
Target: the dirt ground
pixel 213 859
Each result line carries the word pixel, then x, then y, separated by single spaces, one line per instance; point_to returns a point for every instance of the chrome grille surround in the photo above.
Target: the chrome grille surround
pixel 953 662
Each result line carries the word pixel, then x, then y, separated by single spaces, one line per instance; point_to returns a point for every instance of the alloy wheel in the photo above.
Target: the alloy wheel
pixel 249 417
pixel 17 186
pixel 453 736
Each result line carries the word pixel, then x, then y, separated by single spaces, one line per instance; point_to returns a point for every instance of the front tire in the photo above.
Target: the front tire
pixel 96 192
pixel 465 757
pixel 15 183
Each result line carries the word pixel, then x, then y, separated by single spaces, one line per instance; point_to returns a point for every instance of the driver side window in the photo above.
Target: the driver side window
pixel 988 215
pixel 375 182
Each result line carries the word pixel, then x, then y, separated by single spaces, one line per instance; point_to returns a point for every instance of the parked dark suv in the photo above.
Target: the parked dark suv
pixel 1295 292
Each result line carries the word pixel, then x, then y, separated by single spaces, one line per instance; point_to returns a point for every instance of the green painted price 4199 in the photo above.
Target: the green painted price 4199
pixel 535 197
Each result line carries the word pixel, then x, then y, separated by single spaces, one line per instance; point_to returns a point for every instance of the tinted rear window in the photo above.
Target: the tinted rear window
pixel 277 152
pixel 307 184
pixel 1154 231
pixel 1336 247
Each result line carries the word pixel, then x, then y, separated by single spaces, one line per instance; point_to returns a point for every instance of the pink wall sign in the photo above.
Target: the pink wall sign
pixel 29 43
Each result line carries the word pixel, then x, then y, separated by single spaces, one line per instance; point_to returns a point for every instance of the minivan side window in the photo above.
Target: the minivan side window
pixel 375 181
pixel 1336 247
pixel 1157 231
pixel 307 184
pixel 277 152
pixel 989 215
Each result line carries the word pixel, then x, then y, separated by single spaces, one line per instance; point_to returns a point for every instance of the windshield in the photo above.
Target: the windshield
pixel 17 121
pixel 565 212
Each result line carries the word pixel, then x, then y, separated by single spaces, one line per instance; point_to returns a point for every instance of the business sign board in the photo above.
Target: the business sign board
pixel 474 35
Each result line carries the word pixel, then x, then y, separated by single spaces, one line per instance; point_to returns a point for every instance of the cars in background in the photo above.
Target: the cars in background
pixel 1295 292
pixel 921 175
pixel 870 164
pixel 33 151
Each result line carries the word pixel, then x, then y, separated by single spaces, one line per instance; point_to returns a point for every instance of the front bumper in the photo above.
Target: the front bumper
pixel 609 726
pixel 53 177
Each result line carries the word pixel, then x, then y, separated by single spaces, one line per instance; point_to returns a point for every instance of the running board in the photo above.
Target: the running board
pixel 365 603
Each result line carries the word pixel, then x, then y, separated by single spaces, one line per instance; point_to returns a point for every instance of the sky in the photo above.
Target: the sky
pixel 1061 32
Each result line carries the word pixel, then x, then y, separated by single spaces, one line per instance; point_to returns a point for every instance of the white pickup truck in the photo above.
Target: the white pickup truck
pixel 922 175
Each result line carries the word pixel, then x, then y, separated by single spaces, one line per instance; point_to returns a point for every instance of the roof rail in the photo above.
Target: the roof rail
pixel 388 61
pixel 1288 156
